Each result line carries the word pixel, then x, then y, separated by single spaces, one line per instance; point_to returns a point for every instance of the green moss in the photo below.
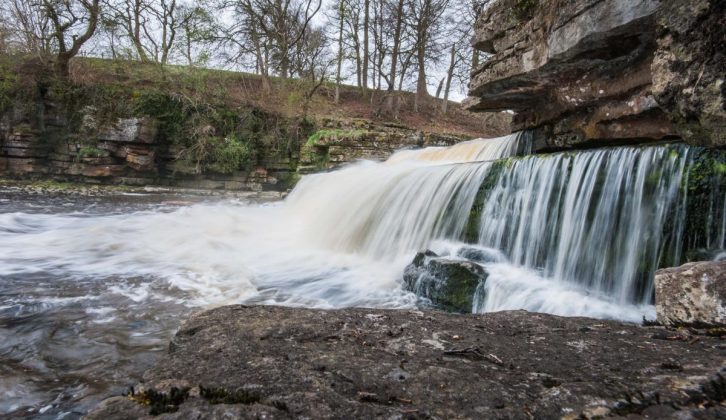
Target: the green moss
pixel 471 231
pixel 524 9
pixel 230 155
pixel 91 152
pixel 8 80
pixel 159 402
pixel 169 110
pixel 336 134
pixel 703 185
pixel 223 396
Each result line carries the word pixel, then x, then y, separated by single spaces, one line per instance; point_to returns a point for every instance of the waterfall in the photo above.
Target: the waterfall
pixel 591 218
pixel 595 223
pixel 388 210
pixel 580 233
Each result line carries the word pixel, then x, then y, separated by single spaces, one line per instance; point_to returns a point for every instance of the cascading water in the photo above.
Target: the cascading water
pixel 589 222
pixel 591 218
pixel 573 234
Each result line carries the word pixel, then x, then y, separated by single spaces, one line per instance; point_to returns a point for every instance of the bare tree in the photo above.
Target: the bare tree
pixel 198 29
pixel 132 16
pixel 278 24
pixel 453 61
pixel 29 29
pixel 73 23
pixel 427 16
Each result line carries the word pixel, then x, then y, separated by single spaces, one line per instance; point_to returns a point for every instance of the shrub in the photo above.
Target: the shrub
pixel 230 155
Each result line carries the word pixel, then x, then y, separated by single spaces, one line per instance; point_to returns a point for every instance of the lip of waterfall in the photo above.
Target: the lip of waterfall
pixel 477 150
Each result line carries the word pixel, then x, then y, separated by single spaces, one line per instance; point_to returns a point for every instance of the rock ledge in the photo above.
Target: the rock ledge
pixel 274 362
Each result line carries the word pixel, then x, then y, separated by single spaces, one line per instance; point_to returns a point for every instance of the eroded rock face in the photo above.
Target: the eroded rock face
pixel 345 142
pixel 591 72
pixel 449 284
pixel 274 362
pixel 130 130
pixel 690 66
pixel 692 294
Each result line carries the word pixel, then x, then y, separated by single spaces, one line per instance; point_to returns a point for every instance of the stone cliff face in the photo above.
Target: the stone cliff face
pixel 588 72
pixel 689 68
pixel 42 142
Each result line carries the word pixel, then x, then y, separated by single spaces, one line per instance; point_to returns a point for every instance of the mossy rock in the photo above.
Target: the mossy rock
pixel 449 284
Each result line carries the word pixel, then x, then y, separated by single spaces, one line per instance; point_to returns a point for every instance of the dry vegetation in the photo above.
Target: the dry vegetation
pixel 287 97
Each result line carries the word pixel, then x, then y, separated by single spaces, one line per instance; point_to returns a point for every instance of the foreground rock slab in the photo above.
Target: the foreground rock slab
pixel 692 294
pixel 274 362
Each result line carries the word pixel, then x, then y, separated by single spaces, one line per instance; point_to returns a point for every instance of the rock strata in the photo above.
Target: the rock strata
pixel 692 294
pixel 689 68
pixel 589 72
pixel 273 362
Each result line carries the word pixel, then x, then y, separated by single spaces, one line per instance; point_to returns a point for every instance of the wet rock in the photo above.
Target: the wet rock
pixel 692 294
pixel 480 255
pixel 305 363
pixel 449 284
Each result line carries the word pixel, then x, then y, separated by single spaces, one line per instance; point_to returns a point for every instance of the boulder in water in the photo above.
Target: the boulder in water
pixel 692 294
pixel 449 284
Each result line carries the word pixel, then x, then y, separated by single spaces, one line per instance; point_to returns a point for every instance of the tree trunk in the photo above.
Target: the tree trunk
pixel 366 18
pixel 62 65
pixel 396 45
pixel 421 82
pixel 391 96
pixel 449 77
pixel 441 86
pixel 341 10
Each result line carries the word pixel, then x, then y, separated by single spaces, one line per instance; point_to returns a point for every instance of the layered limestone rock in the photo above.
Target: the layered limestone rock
pixel 689 68
pixel 132 151
pixel 341 142
pixel 583 72
pixel 273 362
pixel 126 151
pixel 692 294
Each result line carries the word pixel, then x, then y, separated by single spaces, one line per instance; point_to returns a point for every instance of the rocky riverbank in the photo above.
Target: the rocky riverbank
pixel 12 187
pixel 275 362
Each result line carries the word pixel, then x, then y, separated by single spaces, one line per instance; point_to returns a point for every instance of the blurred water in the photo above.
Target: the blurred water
pixel 91 289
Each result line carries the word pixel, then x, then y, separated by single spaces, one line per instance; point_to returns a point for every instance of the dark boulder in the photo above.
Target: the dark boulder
pixel 449 284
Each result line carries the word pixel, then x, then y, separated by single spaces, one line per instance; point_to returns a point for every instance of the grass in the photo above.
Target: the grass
pixel 234 89
pixel 336 133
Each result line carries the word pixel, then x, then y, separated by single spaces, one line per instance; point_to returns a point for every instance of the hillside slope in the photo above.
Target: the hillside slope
pixel 122 122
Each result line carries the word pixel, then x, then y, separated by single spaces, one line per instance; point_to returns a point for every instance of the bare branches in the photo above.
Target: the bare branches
pixel 381 44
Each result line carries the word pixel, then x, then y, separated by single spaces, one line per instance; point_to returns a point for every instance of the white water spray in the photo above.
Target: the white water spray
pixel 566 223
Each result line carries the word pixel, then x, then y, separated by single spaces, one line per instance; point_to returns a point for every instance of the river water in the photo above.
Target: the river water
pixel 92 289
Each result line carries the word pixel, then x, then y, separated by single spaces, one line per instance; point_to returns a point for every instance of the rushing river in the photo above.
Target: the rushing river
pixel 91 289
